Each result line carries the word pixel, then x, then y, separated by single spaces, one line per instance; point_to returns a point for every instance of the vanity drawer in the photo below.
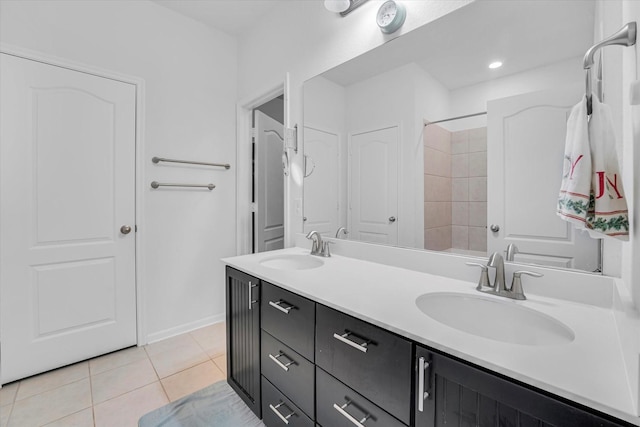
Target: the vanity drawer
pixel 289 371
pixel 336 403
pixel 380 370
pixel 276 405
pixel 290 318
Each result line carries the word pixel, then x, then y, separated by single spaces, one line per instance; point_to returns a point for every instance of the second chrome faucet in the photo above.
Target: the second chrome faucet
pixel 499 286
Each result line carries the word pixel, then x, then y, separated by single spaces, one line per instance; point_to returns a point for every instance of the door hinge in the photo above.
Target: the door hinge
pixel 254 133
pixel 291 138
pixel 253 207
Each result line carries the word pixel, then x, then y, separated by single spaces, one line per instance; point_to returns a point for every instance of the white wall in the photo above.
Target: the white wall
pixel 190 76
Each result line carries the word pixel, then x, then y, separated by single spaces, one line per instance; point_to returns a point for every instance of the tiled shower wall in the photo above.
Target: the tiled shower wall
pixel 437 188
pixel 455 189
pixel 469 189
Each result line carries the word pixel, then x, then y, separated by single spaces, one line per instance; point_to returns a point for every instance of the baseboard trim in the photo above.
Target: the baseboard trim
pixel 187 327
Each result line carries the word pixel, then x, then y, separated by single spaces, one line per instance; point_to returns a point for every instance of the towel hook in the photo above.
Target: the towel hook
pixel 625 36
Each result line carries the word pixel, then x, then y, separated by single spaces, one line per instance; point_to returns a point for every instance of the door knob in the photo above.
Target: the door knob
pixel 392 219
pixel 125 229
pixel 495 228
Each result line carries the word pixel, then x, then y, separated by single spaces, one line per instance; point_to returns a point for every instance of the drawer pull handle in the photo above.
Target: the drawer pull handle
pixel 251 300
pixel 341 409
pixel 284 418
pixel 423 365
pixel 344 338
pixel 284 366
pixel 278 305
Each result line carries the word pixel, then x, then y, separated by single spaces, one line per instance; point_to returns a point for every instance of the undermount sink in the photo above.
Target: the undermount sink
pixel 292 262
pixel 491 318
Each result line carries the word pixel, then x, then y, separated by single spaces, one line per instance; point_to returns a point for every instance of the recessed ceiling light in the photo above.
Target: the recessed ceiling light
pixel 496 64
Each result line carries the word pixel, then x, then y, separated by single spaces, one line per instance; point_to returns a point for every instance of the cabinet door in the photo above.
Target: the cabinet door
pixel 462 395
pixel 243 337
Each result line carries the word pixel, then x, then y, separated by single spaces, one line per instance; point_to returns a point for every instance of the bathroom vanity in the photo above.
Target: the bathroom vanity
pixel 341 342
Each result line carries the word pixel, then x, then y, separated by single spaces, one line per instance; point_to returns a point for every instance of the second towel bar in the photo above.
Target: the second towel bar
pixel 189 162
pixel 156 184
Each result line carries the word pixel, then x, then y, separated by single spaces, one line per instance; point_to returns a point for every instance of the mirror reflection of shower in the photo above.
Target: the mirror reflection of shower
pixel 455 185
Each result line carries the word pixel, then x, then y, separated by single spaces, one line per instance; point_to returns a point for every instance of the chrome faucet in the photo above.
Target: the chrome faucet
pixel 496 261
pixel 317 246
pixel 512 250
pixel 341 230
pixel 499 287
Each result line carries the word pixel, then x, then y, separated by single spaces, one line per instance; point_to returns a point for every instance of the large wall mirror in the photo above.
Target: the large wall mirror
pixel 418 143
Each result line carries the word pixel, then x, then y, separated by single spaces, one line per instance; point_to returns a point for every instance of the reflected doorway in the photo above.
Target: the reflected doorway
pixel 267 195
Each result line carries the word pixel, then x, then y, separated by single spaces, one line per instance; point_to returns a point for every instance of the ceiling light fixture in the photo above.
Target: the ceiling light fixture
pixel 337 5
pixel 496 64
pixel 343 7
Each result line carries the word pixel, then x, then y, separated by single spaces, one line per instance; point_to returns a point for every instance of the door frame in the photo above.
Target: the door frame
pixel 139 83
pixel 244 111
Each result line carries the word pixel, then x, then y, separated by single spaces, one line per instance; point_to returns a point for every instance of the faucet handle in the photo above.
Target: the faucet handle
pixel 325 248
pixel 516 283
pixel 484 275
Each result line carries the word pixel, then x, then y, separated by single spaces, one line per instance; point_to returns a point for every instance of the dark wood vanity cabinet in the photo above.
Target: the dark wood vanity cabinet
pixel 243 336
pixel 454 393
pixel 298 363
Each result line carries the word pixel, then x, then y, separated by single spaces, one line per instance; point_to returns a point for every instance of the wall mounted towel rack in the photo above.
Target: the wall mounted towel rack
pixel 625 36
pixel 156 184
pixel 189 162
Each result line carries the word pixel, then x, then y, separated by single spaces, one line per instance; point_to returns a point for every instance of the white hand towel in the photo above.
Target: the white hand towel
pixel 573 201
pixel 607 214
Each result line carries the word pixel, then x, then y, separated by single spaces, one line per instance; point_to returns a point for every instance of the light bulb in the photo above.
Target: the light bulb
pixel 337 5
pixel 495 65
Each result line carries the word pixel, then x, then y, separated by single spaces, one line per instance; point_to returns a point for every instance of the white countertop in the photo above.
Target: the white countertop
pixel 589 370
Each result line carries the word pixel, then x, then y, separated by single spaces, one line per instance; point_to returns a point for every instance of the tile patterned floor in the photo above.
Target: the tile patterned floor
pixel 115 390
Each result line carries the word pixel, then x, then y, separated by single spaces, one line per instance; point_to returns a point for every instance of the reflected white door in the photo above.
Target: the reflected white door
pixel 373 182
pixel 67 272
pixel 269 184
pixel 526 138
pixel 321 183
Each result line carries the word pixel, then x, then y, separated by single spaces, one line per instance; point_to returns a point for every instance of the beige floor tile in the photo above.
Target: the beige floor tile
pixel 221 363
pixel 79 419
pixel 5 411
pixel 169 344
pixel 8 393
pixel 212 339
pixel 126 410
pixel 116 359
pixel 51 405
pixel 178 359
pixel 115 382
pixel 52 379
pixel 192 379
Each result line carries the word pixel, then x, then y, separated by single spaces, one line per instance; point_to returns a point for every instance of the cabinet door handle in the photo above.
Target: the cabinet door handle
pixel 284 418
pixel 423 365
pixel 284 366
pixel 251 300
pixel 278 305
pixel 341 409
pixel 362 347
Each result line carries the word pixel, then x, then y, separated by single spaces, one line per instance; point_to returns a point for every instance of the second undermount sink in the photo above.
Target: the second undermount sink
pixel 292 262
pixel 491 318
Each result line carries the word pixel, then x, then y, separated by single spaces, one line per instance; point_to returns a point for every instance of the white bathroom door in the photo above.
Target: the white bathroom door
pixel 322 181
pixel 526 138
pixel 67 174
pixel 269 183
pixel 373 186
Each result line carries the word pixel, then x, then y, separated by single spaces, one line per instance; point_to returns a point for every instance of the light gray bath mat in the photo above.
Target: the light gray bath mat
pixel 214 406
